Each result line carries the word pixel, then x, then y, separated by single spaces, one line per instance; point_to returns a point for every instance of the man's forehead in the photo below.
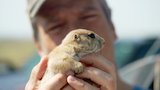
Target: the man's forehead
pixel 80 6
pixel 51 4
pixel 64 2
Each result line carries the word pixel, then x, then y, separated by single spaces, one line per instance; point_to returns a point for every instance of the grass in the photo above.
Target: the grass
pixel 16 52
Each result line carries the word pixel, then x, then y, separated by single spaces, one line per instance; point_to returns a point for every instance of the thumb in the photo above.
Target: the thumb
pixel 42 67
pixel 37 73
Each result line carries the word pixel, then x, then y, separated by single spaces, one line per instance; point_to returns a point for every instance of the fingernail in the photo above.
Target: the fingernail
pixel 72 78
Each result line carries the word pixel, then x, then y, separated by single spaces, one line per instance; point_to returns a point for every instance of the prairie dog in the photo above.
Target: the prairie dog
pixel 66 56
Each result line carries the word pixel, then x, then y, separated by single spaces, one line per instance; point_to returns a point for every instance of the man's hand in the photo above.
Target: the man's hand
pixel 100 71
pixel 55 83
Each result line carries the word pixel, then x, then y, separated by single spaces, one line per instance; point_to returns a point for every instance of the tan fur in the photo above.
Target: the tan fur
pixel 66 56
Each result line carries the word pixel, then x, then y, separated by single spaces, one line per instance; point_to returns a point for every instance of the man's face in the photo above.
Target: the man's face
pixel 57 18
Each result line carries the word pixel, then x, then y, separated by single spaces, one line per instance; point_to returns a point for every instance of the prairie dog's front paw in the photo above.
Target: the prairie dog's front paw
pixel 78 68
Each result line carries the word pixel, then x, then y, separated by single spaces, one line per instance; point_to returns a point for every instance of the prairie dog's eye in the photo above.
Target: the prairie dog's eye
pixel 76 36
pixel 91 35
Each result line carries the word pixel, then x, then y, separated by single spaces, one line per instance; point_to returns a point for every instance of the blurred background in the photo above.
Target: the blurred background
pixel 137 24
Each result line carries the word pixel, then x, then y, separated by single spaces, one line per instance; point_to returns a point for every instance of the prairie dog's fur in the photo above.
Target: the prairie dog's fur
pixel 66 56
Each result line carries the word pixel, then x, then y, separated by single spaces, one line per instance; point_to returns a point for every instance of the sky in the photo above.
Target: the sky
pixel 132 19
pixel 136 18
pixel 14 22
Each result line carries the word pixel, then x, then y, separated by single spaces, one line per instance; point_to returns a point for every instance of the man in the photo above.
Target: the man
pixel 52 20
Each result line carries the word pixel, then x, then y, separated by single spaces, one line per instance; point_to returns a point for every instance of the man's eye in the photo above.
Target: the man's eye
pixel 89 17
pixel 56 27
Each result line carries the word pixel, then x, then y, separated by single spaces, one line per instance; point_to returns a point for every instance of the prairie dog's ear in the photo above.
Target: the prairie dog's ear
pixel 76 37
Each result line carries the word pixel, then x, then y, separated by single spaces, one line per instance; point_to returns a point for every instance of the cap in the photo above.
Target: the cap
pixel 33 6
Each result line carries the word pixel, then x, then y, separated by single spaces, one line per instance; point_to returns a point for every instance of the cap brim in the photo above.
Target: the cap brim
pixel 34 6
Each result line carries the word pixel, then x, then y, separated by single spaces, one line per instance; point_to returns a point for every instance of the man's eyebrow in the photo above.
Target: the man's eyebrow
pixel 52 19
pixel 89 8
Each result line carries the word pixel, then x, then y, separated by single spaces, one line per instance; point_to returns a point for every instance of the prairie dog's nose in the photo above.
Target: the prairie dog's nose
pixel 91 35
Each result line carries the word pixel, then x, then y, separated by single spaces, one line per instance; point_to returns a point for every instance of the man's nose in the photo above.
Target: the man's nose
pixel 75 25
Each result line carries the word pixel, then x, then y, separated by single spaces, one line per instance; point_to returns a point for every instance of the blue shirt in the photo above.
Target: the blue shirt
pixel 136 87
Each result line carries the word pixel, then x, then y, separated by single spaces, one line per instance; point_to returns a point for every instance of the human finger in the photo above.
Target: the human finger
pixel 103 79
pixel 37 73
pixel 79 84
pixel 56 82
pixel 67 87
pixel 100 62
